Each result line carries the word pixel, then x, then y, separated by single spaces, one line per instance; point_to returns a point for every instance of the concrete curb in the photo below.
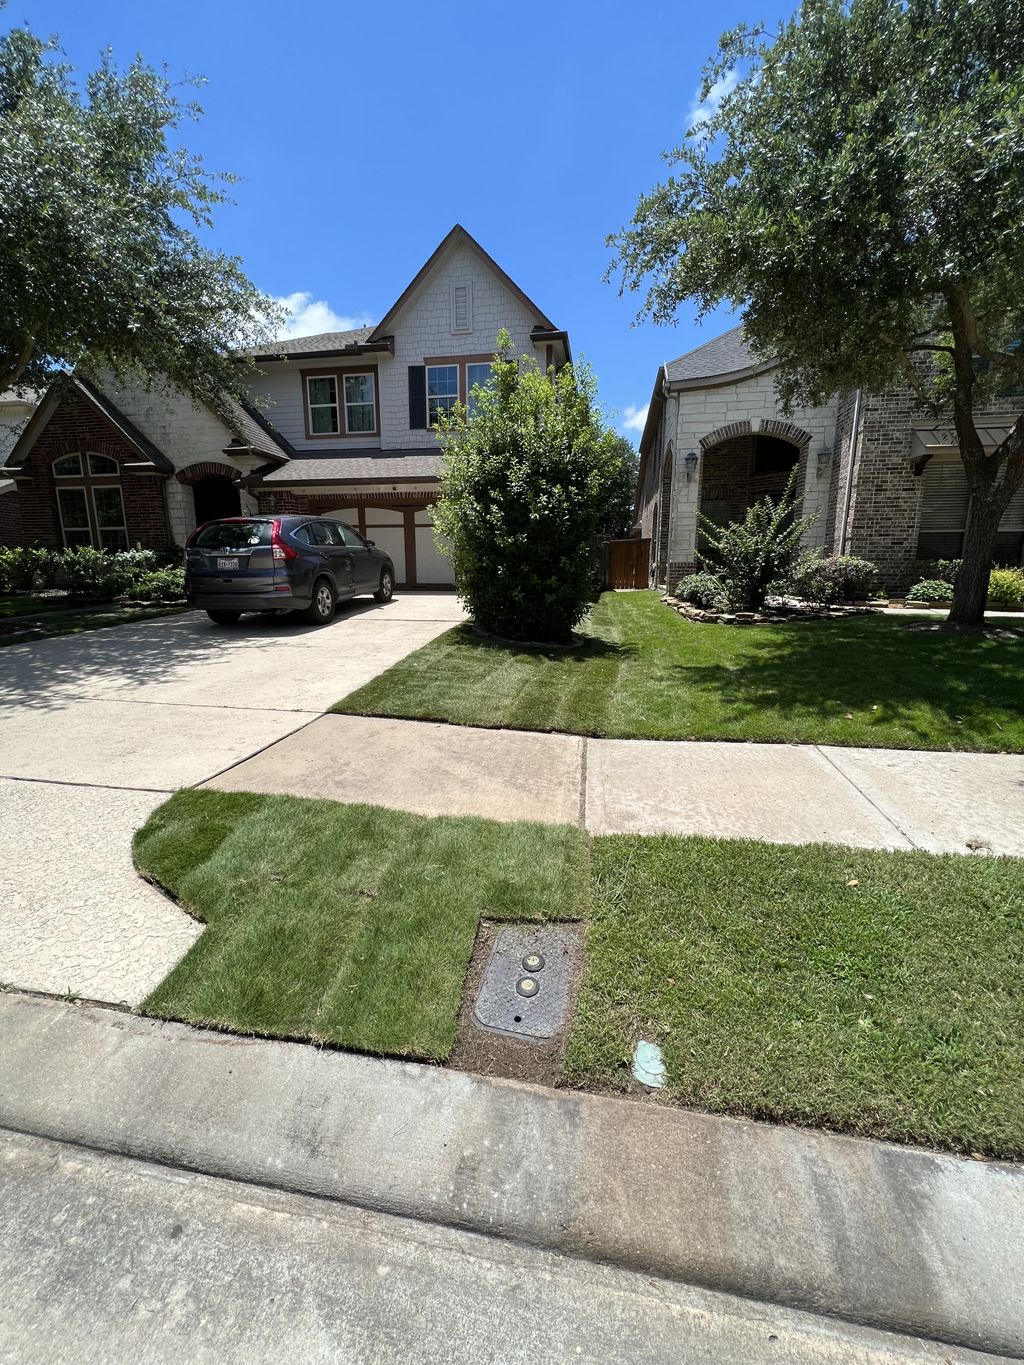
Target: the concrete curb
pixel 876 1234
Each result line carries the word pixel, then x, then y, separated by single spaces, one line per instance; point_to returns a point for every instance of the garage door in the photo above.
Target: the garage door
pixel 431 566
pixel 385 526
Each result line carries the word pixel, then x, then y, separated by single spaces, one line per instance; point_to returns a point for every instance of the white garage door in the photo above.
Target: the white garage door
pixel 431 565
pixel 385 526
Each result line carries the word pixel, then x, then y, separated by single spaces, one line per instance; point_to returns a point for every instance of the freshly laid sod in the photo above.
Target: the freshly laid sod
pixel 877 993
pixel 73 621
pixel 348 924
pixel 646 673
pixel 874 993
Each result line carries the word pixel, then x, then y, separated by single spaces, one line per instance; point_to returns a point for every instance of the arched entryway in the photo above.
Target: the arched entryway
pixel 215 496
pixel 215 493
pixel 739 470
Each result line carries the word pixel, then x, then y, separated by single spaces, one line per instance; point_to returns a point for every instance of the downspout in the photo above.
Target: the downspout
pixel 848 490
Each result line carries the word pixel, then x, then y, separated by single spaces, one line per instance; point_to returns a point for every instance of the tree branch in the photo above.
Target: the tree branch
pixel 1001 358
pixel 11 372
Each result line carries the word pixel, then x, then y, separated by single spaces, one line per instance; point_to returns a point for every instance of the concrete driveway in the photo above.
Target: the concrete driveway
pixel 96 730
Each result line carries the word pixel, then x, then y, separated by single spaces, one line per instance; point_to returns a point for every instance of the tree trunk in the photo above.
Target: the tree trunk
pixel 970 591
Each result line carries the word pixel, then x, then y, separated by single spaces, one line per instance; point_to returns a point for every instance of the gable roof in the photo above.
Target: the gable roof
pixel 725 354
pixel 36 425
pixel 253 430
pixel 457 234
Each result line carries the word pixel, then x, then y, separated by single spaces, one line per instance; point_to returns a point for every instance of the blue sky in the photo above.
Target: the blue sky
pixel 363 132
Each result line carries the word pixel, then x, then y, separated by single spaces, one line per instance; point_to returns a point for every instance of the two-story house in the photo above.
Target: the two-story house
pixel 340 424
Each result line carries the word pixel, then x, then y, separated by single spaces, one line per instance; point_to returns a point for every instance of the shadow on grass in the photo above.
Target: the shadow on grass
pixel 590 647
pixel 934 690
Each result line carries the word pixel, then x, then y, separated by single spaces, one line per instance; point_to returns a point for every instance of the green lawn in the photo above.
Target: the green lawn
pixel 347 924
pixel 778 990
pixel 29 604
pixel 891 1008
pixel 62 620
pixel 647 673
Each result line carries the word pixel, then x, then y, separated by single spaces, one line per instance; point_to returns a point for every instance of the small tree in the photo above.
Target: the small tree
pixel 749 556
pixel 98 266
pixel 616 518
pixel 524 483
pixel 857 190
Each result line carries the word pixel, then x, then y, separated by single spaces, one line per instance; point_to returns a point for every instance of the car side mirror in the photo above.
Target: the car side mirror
pixel 371 543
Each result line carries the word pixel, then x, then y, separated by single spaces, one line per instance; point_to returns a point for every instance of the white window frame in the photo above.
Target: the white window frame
pixel 371 404
pixel 448 399
pixel 311 406
pixel 476 365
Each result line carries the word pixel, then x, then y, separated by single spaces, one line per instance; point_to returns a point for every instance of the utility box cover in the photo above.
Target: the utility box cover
pixel 517 996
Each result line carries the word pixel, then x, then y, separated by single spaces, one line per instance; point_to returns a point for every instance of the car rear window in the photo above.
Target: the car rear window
pixel 233 535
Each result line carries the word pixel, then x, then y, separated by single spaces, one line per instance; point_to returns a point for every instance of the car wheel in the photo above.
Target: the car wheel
pixel 321 609
pixel 224 618
pixel 387 587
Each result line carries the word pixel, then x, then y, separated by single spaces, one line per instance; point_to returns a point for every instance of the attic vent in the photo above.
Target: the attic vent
pixel 462 307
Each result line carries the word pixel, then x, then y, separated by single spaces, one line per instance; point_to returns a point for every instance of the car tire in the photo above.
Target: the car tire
pixel 321 609
pixel 387 587
pixel 224 618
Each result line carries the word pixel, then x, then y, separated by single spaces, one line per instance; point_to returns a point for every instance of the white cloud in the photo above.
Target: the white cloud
pixel 700 112
pixel 306 316
pixel 633 418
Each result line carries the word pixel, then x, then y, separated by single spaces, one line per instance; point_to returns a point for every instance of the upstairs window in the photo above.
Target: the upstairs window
pixel 322 394
pixel 442 390
pixel 360 408
pixel 477 375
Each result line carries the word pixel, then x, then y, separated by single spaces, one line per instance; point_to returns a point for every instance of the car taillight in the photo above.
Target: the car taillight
pixel 278 548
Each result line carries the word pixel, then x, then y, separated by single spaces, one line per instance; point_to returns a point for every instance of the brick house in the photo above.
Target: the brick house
pixel 340 424
pixel 887 483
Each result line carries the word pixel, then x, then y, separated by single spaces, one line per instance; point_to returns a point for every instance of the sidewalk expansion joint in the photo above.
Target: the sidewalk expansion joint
pixel 863 794
pixel 95 786
pixel 584 743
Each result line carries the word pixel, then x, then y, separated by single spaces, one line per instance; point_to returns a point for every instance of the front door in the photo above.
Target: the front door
pixel 215 497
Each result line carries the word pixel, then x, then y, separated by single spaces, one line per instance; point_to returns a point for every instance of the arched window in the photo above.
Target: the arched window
pixel 89 501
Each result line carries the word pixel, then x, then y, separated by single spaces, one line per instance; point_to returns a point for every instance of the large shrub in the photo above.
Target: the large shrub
pixel 931 590
pixel 704 590
pixel 24 568
pixel 1007 585
pixel 753 555
pixel 525 480
pixel 92 573
pixel 832 578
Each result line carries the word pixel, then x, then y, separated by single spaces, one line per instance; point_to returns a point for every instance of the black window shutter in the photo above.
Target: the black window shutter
pixel 417 397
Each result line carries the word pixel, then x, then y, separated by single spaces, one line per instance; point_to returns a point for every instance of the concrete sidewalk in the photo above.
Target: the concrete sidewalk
pixel 884 1236
pixel 782 793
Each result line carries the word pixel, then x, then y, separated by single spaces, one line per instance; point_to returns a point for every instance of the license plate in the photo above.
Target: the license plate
pixel 227 563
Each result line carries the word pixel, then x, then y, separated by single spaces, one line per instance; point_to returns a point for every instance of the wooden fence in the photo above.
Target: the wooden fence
pixel 629 563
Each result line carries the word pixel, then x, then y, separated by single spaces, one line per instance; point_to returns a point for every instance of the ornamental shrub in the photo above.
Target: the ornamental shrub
pixel 1007 585
pixel 832 578
pixel 91 573
pixel 160 584
pixel 704 590
pixel 525 479
pixel 928 569
pixel 751 556
pixel 24 568
pixel 931 590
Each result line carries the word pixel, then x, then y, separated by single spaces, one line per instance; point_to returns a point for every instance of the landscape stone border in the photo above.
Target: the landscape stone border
pixel 779 614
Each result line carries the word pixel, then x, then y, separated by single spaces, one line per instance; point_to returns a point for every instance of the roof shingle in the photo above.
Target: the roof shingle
pixel 368 464
pixel 323 341
pixel 721 355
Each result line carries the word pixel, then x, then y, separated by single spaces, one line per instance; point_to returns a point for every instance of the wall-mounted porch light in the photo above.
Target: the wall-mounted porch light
pixel 691 465
pixel 824 458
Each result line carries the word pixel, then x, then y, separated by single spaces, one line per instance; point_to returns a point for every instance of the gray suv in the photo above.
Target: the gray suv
pixel 280 564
